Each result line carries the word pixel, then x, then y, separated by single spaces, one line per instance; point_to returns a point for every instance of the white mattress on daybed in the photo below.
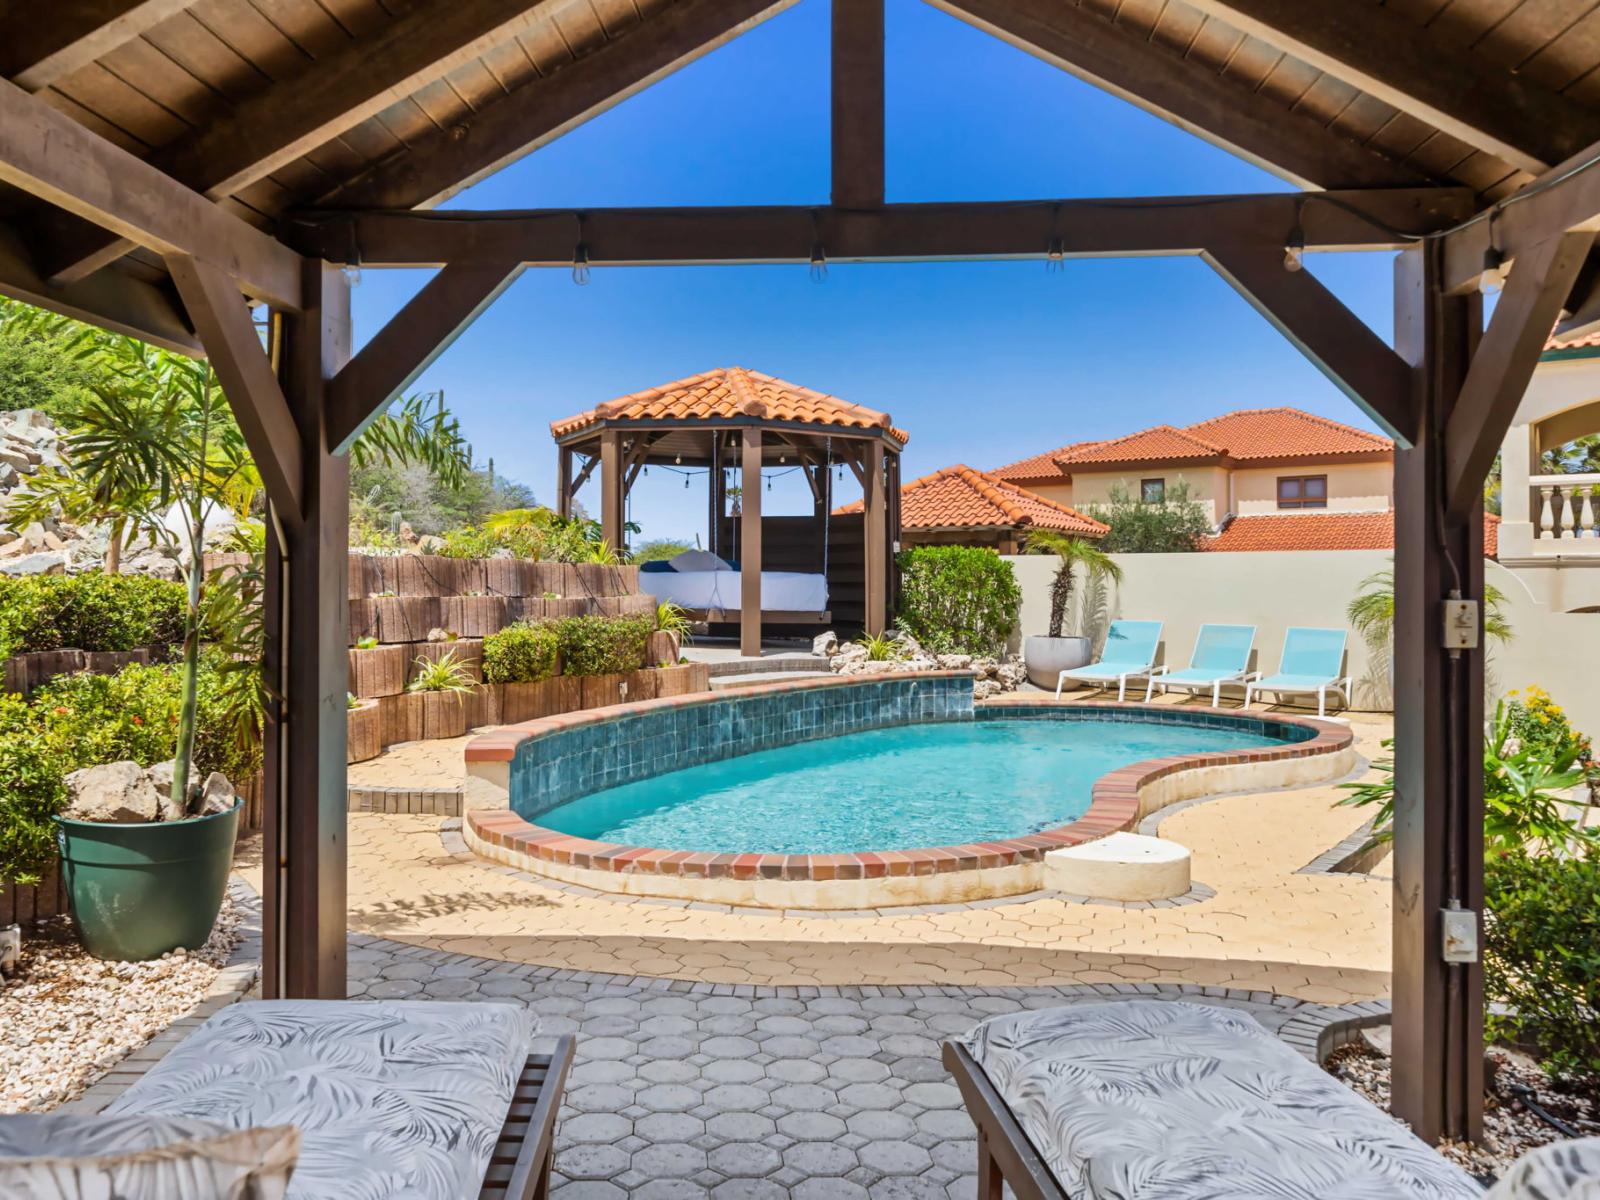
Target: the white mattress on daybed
pixel 781 591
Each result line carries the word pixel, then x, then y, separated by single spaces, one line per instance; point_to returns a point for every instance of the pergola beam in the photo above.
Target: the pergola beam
pixel 47 153
pixel 280 124
pixel 405 347
pixel 1564 199
pixel 73 33
pixel 444 162
pixel 1098 228
pixel 248 380
pixel 858 91
pixel 1184 91
pixel 1371 48
pixel 1504 361
pixel 1338 343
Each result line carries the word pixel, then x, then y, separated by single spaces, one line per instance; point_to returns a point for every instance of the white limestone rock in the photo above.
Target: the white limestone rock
pixel 118 792
pixel 45 562
pixel 825 644
pixel 216 795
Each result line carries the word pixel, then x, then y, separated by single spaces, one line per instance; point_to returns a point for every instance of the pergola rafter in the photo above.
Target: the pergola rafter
pixel 1438 149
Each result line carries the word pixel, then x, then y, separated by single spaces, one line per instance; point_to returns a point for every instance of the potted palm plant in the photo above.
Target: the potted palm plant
pixel 1047 655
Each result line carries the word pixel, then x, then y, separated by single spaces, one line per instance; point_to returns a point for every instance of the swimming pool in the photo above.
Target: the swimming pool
pixel 941 784
pixel 857 793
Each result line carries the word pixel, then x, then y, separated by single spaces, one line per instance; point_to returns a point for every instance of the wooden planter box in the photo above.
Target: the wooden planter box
pixel 484 705
pixel 444 714
pixel 24 672
pixel 364 738
pixel 407 618
pixel 380 671
pixel 470 575
pixel 473 616
pixel 601 690
pixel 468 652
pixel 363 620
pixel 530 701
pixel 683 680
pixel 663 647
pixel 400 718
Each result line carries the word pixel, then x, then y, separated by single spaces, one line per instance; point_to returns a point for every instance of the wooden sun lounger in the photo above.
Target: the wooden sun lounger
pixel 525 1154
pixel 1005 1155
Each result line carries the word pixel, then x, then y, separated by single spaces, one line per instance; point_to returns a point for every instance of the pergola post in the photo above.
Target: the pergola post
pixel 563 482
pixel 1438 705
pixel 611 488
pixel 307 620
pixel 750 545
pixel 875 507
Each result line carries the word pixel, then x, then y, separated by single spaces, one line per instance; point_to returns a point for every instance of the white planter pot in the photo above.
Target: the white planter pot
pixel 1046 657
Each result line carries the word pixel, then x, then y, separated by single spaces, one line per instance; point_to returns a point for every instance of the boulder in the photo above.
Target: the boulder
pixel 953 662
pixel 216 795
pixel 160 777
pixel 10 949
pixel 825 644
pixel 116 792
pixel 45 562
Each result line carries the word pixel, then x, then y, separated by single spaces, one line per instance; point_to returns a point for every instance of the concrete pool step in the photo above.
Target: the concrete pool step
pixel 769 664
pixel 726 683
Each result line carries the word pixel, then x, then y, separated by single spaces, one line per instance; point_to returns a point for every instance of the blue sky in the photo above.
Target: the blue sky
pixel 982 362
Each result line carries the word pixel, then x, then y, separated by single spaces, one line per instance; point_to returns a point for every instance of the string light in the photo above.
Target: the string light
pixel 1294 250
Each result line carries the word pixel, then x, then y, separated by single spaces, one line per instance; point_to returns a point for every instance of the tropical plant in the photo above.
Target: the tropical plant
pixel 1541 724
pixel 1174 525
pixel 958 599
pixel 670 618
pixel 42 358
pixel 1524 794
pixel 880 647
pixel 659 550
pixel 1371 613
pixel 1541 960
pixel 603 554
pixel 525 652
pixel 444 674
pixel 416 430
pixel 1073 553
pixel 597 645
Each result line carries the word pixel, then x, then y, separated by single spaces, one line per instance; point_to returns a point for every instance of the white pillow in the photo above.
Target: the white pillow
pixel 65 1157
pixel 698 560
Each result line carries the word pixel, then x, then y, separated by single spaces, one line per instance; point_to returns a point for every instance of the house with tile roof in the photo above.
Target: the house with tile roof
pixel 964 507
pixel 1253 462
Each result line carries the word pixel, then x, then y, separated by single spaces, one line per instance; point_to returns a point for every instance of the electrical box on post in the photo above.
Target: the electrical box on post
pixel 1460 935
pixel 1461 624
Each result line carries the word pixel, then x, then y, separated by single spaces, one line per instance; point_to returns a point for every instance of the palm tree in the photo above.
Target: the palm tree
pixel 1073 552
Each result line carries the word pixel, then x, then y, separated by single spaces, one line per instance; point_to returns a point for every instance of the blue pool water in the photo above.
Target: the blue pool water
pixel 936 784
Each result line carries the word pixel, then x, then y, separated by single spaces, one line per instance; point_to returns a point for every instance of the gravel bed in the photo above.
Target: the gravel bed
pixel 69 1018
pixel 1510 1129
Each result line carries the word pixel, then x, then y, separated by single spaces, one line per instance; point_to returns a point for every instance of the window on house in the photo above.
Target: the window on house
pixel 1302 491
pixel 1153 491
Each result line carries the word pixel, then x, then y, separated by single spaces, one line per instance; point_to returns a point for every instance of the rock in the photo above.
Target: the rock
pixel 216 795
pixel 825 644
pixel 1379 1038
pixel 953 662
pixel 33 536
pixel 982 689
pixel 48 562
pixel 430 543
pixel 407 534
pixel 849 653
pixel 160 777
pixel 10 949
pixel 115 792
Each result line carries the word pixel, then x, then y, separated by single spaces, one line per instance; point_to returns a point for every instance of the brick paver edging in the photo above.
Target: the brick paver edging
pixel 1115 804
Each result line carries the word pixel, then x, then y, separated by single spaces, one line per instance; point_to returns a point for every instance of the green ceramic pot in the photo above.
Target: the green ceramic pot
pixel 138 891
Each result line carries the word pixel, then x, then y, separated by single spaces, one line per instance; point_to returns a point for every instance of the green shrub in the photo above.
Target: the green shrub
pixel 1173 526
pixel 89 612
pixel 31 792
pixel 1542 957
pixel 520 653
pixel 603 645
pixel 958 599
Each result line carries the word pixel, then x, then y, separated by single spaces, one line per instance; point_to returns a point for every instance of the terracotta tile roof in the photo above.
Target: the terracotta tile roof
pixel 1041 466
pixel 1579 341
pixel 1324 531
pixel 1251 433
pixel 730 393
pixel 959 497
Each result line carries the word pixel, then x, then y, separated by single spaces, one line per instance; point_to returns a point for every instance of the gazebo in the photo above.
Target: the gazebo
pixel 165 165
pixel 733 418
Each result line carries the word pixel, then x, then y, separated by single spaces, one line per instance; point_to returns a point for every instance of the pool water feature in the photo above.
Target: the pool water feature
pixel 939 784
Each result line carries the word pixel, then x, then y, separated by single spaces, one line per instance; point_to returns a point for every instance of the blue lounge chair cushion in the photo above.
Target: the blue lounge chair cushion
pixel 1295 683
pixel 1130 649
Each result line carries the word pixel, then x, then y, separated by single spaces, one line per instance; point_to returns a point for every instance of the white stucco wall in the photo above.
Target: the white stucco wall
pixel 1559 651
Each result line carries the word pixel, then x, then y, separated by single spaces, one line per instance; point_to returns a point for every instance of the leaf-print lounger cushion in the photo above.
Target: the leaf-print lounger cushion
pixel 1162 1100
pixel 394 1101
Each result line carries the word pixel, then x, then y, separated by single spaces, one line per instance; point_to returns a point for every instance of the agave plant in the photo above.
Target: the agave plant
pixel 880 647
pixel 670 618
pixel 445 674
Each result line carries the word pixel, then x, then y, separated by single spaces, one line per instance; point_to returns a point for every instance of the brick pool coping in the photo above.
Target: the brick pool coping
pixel 1114 805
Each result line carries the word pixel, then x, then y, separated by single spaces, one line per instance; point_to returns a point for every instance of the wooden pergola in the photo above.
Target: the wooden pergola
pixel 162 161
pixel 733 416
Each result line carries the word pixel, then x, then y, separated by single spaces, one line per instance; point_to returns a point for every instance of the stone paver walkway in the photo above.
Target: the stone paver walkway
pixel 1269 926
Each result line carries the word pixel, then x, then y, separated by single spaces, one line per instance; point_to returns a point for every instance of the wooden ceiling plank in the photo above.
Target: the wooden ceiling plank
pixel 115 99
pixel 1184 91
pixel 164 81
pixel 340 91
pixel 1459 93
pixel 74 33
pixel 857 109
pixel 223 322
pixel 200 52
pixel 1342 346
pixel 541 110
pixel 254 38
pixel 61 162
pixel 1503 363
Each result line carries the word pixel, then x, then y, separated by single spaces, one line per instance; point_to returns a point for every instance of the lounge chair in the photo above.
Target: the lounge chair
pixel 1221 655
pixel 1167 1100
pixel 1312 662
pixel 1129 652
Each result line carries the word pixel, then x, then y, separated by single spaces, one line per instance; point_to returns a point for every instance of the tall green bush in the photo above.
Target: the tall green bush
pixel 521 653
pixel 88 612
pixel 1175 525
pixel 958 599
pixel 1541 961
pixel 603 645
pixel 31 792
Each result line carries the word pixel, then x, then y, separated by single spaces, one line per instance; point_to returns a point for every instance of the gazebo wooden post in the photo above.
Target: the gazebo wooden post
pixel 611 487
pixel 715 501
pixel 750 545
pixel 307 639
pixel 875 507
pixel 563 481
